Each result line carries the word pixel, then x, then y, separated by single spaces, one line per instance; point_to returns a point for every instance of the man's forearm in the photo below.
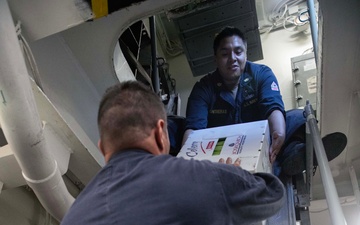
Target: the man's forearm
pixel 277 122
pixel 277 131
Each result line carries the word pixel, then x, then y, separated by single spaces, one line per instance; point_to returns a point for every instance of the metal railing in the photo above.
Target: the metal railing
pixel 314 140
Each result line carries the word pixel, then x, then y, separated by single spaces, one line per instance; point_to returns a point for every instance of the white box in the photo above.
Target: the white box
pixel 247 141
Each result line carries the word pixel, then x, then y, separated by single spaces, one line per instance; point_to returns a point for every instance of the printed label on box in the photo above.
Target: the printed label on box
pixel 247 141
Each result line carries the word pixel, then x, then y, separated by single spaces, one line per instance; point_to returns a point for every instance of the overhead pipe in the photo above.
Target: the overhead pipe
pixel 313 27
pixel 22 126
pixel 155 74
pixel 332 198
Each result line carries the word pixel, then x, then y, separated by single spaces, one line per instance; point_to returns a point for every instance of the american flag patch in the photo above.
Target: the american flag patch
pixel 274 86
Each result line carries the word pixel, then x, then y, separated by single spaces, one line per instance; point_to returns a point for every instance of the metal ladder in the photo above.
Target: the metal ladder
pixel 298 188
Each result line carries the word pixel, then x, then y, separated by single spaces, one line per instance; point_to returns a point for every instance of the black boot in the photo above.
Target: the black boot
pixel 294 158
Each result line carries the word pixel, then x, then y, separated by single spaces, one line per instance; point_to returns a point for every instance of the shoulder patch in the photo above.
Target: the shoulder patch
pixel 274 86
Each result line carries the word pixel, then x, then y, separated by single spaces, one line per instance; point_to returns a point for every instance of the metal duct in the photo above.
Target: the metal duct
pixel 21 123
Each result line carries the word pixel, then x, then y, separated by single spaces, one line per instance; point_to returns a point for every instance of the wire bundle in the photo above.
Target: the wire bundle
pixel 281 18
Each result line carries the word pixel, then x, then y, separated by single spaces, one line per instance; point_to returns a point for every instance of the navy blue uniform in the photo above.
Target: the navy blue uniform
pixel 136 187
pixel 210 104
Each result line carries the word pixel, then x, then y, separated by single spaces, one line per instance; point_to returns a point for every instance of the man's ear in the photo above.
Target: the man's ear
pixel 101 147
pixel 160 135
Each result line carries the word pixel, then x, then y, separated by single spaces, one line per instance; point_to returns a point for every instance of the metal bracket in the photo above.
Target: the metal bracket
pixel 295 69
pixel 297 82
pixel 303 200
pixel 302 195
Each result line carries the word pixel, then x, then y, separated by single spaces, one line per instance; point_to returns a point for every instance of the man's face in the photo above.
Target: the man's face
pixel 231 58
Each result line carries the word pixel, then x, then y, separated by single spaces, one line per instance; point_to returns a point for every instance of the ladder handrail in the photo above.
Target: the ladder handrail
pixel 332 198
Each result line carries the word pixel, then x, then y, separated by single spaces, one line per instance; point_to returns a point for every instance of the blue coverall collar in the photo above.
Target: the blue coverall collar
pixel 245 80
pixel 224 93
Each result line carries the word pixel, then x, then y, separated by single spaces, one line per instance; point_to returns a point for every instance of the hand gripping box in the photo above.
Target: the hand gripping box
pixel 248 141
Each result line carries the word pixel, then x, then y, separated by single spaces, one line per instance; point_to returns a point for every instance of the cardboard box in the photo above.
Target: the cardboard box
pixel 249 141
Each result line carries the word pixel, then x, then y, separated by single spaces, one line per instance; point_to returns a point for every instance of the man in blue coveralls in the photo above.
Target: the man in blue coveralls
pixel 239 91
pixel 142 184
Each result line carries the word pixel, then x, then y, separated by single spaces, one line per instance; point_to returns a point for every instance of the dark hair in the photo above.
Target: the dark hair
pixel 227 32
pixel 128 111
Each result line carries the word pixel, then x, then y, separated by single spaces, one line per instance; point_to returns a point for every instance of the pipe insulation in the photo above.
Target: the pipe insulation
pixel 22 126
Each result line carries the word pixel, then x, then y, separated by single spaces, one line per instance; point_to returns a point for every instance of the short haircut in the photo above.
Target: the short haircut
pixel 228 31
pixel 127 113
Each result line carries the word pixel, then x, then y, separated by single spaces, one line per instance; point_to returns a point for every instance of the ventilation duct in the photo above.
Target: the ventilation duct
pixel 198 23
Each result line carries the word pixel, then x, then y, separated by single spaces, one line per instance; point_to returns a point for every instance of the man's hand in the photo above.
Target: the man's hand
pixel 277 130
pixel 229 161
pixel 276 143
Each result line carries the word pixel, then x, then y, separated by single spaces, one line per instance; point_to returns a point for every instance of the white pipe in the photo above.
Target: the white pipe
pixel 313 27
pixel 355 185
pixel 332 198
pixel 21 123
